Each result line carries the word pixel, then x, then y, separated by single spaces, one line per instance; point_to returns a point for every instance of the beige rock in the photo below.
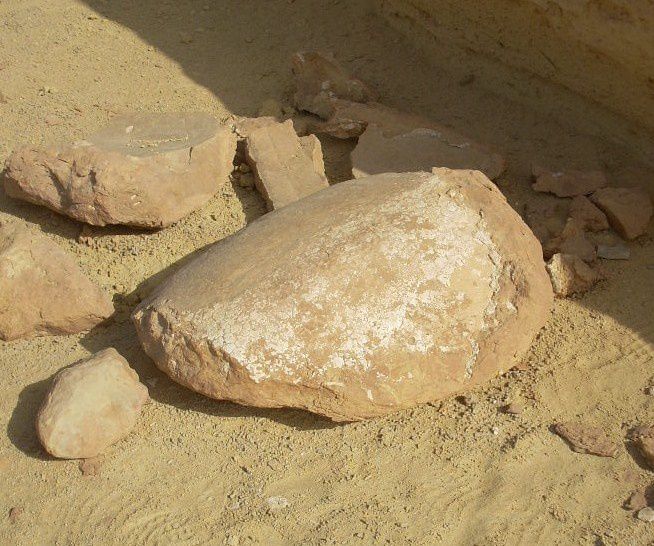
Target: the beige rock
pixel 286 167
pixel 570 275
pixel 569 183
pixel 628 209
pixel 319 78
pixel 271 108
pixel 587 214
pixel 646 447
pixel 584 438
pixel 90 406
pixel 42 289
pixel 546 219
pixel 572 240
pixel 370 296
pixel 146 170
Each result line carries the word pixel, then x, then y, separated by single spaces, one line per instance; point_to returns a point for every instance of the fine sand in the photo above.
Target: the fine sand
pixel 198 471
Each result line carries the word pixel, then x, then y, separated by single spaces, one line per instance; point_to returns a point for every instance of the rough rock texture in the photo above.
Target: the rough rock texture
pixel 568 183
pixel 286 167
pixel 587 214
pixel 42 289
pixel 643 439
pixel 146 170
pixel 584 438
pixel 546 219
pixel 319 78
pixel 572 240
pixel 373 295
pixel 628 209
pixel 90 406
pixel 570 275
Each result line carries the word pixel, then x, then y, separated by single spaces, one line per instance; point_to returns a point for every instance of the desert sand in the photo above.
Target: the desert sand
pixel 198 471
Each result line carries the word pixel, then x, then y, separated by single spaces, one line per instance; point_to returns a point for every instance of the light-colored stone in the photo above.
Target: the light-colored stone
pixel 319 78
pixel 90 406
pixel 568 183
pixel 42 289
pixel 613 252
pixel 145 170
pixel 587 214
pixel 646 514
pixel 286 167
pixel 584 438
pixel 572 240
pixel 628 209
pixel 370 296
pixel 570 275
pixel 271 108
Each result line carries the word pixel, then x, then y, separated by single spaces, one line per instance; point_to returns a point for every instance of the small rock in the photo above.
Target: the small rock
pixel 650 390
pixel 513 408
pixel 628 209
pixel 277 503
pixel 572 240
pixel 3 98
pixel 646 514
pixel 546 219
pixel 244 168
pixel 42 289
pixel 645 445
pixel 583 438
pixel 271 108
pixel 587 214
pixel 90 467
pixel 636 501
pixel 90 406
pixel 568 183
pixel 570 275
pixel 15 514
pixel 613 252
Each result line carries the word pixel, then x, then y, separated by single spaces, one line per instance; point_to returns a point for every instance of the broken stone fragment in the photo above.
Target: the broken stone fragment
pixel 643 439
pixel 90 406
pixel 587 439
pixel 271 108
pixel 368 297
pixel 42 289
pixel 572 240
pixel 286 167
pixel 546 219
pixel 568 183
pixel 613 252
pixel 319 78
pixel 587 214
pixel 145 170
pixel 570 275
pixel 628 209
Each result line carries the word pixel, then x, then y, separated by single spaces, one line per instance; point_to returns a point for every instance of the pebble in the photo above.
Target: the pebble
pixel 512 409
pixel 650 390
pixel 646 514
pixel 90 467
pixel 615 252
pixel 277 503
pixel 15 514
pixel 636 501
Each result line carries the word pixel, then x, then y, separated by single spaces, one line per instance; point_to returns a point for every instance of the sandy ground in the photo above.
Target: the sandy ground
pixel 197 471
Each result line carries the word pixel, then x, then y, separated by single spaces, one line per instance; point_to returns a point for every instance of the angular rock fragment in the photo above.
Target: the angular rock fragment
pixel 319 78
pixel 646 514
pixel 613 252
pixel 628 209
pixel 42 289
pixel 568 183
pixel 572 240
pixel 370 296
pixel 90 406
pixel 286 167
pixel 546 219
pixel 570 275
pixel 587 214
pixel 583 438
pixel 643 439
pixel 145 170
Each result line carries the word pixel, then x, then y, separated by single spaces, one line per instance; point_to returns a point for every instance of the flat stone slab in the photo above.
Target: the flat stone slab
pixel 629 210
pixel 568 183
pixel 370 296
pixel 42 289
pixel 145 170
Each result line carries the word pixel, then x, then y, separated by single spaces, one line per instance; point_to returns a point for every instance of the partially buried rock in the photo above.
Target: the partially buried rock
pixel 90 406
pixel 570 275
pixel 286 167
pixel 373 295
pixel 42 289
pixel 572 240
pixel 587 214
pixel 568 183
pixel 628 209
pixel 643 439
pixel 583 438
pixel 145 170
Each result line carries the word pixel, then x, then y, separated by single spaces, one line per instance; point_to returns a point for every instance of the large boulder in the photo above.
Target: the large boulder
pixel 90 406
pixel 370 296
pixel 42 289
pixel 145 170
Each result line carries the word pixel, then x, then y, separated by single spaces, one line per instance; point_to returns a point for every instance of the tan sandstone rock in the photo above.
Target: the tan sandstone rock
pixel 628 209
pixel 589 439
pixel 42 289
pixel 286 167
pixel 572 240
pixel 587 214
pixel 568 183
pixel 145 170
pixel 370 296
pixel 570 275
pixel 90 406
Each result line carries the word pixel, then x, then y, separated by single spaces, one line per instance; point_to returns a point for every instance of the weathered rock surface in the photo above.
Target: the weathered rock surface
pixel 613 252
pixel 568 183
pixel 584 438
pixel 570 275
pixel 587 214
pixel 643 438
pixel 319 78
pixel 628 209
pixel 90 406
pixel 286 167
pixel 371 296
pixel 572 240
pixel 42 289
pixel 546 219
pixel 145 170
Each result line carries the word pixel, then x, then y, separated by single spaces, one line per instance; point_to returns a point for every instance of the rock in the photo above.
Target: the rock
pixel 644 442
pixel 641 431
pixel 271 108
pixel 42 289
pixel 319 78
pixel 636 501
pixel 628 209
pixel 583 438
pixel 15 514
pixel 373 295
pixel 572 240
pixel 513 408
pixel 420 150
pixel 646 514
pixel 588 215
pixel 546 219
pixel 145 170
pixel 286 167
pixel 90 467
pixel 613 252
pixel 90 406
pixel 570 275
pixel 568 183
